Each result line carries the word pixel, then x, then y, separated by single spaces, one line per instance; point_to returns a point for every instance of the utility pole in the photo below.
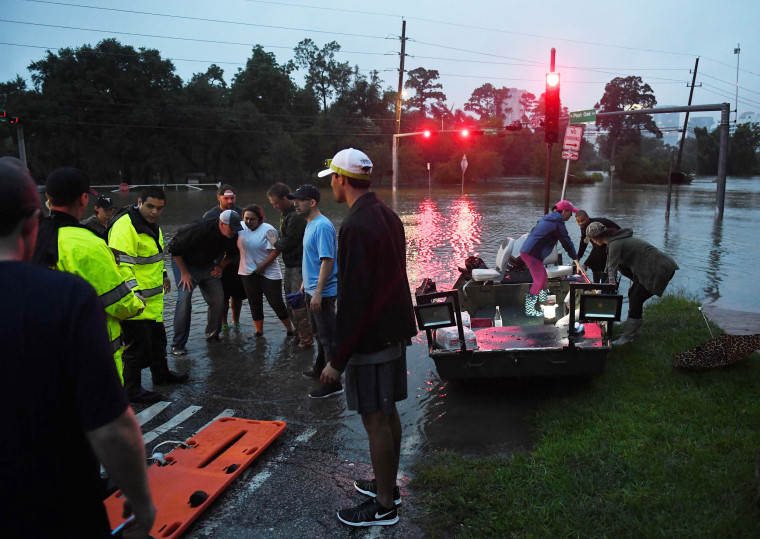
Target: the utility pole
pixel 737 51
pixel 686 121
pixel 394 157
pixel 400 77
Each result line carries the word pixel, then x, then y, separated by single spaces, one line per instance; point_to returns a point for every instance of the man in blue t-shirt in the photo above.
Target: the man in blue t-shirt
pixel 320 281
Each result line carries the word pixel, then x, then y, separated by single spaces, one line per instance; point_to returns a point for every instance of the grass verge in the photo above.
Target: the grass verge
pixel 643 450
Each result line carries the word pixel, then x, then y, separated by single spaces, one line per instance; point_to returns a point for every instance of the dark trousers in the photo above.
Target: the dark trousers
pixel 144 346
pixel 257 286
pixel 637 295
pixel 323 326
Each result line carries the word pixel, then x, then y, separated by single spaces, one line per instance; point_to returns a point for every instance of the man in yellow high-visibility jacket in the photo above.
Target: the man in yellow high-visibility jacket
pixel 139 243
pixel 62 243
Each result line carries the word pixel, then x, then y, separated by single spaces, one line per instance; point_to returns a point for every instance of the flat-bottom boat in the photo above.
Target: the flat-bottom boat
pixel 479 328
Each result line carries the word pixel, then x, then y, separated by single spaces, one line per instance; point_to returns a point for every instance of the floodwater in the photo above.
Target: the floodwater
pixel 718 260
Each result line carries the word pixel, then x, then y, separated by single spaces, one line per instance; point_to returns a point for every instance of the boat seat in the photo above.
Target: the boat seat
pixel 558 271
pixel 502 258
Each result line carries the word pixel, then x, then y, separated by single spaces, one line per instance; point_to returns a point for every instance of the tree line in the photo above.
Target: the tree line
pixel 123 114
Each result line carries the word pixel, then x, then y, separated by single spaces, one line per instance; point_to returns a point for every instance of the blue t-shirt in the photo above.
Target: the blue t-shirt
pixel 320 241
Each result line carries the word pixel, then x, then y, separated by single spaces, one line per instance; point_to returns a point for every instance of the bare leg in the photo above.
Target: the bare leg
pixel 236 304
pixel 384 431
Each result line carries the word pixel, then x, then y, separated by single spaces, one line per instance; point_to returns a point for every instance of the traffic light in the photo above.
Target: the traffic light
pixel 551 108
pixel 13 119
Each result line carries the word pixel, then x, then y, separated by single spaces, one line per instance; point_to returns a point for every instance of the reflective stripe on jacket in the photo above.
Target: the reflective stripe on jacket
pixel 141 264
pixel 81 252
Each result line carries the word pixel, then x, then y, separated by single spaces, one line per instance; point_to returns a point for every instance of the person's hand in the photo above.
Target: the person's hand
pixel 185 282
pixel 217 271
pixel 259 270
pixel 140 526
pixel 584 267
pixel 167 285
pixel 329 374
pixel 316 302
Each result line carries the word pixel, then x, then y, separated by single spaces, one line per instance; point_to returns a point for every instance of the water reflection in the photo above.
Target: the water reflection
pixel 712 289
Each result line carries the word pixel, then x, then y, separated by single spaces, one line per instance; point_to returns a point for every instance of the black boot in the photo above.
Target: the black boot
pixel 135 392
pixel 162 374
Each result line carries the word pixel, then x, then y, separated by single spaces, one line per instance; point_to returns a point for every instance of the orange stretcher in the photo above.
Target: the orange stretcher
pixel 193 477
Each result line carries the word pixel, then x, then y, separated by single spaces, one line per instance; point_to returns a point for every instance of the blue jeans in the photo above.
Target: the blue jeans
pixel 211 289
pixel 323 326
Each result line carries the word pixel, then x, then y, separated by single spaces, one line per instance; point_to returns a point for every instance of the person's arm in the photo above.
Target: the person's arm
pixel 186 279
pixel 567 243
pixel 292 233
pixel 268 260
pixel 324 274
pixel 119 447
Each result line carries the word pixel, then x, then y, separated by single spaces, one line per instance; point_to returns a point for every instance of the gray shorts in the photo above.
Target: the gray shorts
pixel 376 387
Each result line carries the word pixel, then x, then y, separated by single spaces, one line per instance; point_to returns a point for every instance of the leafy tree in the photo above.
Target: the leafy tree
pixel 426 88
pixel 742 156
pixel 486 101
pixel 624 93
pixel 325 75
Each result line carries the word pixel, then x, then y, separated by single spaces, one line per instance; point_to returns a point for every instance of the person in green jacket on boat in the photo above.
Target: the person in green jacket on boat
pixel 651 271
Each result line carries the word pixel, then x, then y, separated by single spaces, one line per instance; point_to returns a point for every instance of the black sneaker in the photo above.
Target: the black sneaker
pixel 369 488
pixel 179 350
pixel 370 513
pixel 309 374
pixel 326 390
pixel 170 377
pixel 143 396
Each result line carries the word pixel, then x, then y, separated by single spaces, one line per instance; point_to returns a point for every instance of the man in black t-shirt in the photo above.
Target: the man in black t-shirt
pixel 232 284
pixel 62 402
pixel 597 258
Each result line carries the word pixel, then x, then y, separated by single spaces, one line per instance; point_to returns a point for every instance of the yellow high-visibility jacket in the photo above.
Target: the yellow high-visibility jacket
pixel 141 260
pixel 82 252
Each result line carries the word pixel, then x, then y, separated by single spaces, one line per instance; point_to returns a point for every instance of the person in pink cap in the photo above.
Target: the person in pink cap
pixel 539 244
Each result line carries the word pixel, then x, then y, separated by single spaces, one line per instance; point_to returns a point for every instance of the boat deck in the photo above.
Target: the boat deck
pixel 535 337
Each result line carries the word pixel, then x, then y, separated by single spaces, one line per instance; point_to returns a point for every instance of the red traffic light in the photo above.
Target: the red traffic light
pixel 13 119
pixel 426 133
pixel 552 79
pixel 465 133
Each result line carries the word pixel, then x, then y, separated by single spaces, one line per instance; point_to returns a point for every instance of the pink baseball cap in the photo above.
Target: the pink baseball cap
pixel 564 205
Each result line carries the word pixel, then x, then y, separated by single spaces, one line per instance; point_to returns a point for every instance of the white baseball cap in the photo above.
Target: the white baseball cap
pixel 349 162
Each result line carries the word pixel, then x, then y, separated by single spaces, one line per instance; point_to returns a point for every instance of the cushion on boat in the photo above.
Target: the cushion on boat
pixel 558 271
pixel 502 258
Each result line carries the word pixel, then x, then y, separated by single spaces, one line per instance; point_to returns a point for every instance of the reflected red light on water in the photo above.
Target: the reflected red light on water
pixel 440 240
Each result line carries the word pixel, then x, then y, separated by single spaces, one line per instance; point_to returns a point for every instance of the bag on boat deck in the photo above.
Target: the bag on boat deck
pixel 448 338
pixel 471 263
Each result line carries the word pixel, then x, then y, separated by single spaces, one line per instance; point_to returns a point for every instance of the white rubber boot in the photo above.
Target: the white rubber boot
pixel 630 330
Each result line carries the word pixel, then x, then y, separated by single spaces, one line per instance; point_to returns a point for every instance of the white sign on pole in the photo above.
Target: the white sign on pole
pixel 573 138
pixel 570 155
pixel 464 163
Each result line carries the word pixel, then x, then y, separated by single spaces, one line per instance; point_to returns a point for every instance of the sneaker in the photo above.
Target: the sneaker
pixel 143 396
pixel 179 350
pixel 226 326
pixel 291 334
pixel 369 488
pixel 310 374
pixel 370 513
pixel 326 391
pixel 214 338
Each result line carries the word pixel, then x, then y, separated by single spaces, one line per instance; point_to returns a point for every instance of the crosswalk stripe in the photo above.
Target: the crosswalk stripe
pixel 151 412
pixel 173 422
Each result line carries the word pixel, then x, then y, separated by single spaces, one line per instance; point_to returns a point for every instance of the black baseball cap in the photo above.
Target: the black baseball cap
pixel 67 183
pixel 305 192
pixel 104 202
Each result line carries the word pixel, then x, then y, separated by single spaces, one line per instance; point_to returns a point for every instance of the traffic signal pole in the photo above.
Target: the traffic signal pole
pixel 547 138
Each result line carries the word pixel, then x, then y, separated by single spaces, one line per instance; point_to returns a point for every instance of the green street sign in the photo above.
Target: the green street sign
pixel 583 116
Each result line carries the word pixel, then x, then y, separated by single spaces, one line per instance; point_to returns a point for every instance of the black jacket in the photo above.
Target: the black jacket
pixel 374 301
pixel 290 244
pixel 597 258
pixel 201 244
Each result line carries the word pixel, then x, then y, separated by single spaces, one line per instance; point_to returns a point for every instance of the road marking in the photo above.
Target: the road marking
pixel 173 422
pixel 151 412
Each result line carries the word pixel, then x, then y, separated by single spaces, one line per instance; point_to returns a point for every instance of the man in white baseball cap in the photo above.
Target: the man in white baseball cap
pixel 349 162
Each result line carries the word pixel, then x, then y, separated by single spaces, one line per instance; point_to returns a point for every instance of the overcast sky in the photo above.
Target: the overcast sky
pixel 470 42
